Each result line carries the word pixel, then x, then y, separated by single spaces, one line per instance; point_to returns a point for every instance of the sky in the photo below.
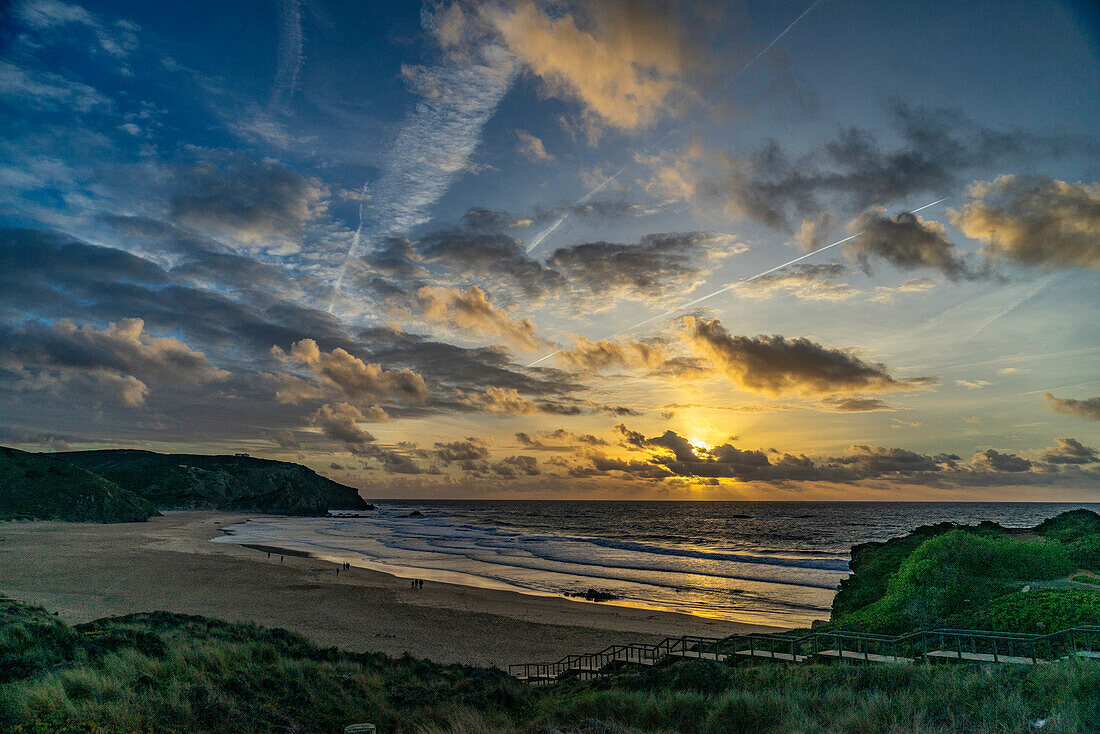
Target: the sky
pixel 532 249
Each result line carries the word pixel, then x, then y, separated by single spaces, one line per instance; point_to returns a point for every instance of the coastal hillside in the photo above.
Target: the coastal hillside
pixel 37 487
pixel 231 483
pixel 174 673
pixel 983 576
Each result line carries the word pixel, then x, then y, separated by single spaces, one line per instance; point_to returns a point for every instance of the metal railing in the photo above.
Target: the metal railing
pixel 974 646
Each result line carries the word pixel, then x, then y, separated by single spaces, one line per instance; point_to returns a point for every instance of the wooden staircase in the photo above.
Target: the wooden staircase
pixel 938 645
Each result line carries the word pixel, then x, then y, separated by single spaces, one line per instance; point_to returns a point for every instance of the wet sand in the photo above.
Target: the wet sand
pixel 84 571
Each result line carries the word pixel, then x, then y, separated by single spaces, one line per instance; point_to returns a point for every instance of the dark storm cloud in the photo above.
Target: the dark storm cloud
pixel 776 365
pixel 936 148
pixel 1089 408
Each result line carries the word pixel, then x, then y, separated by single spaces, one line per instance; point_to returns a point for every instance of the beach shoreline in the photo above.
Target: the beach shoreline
pixel 84 571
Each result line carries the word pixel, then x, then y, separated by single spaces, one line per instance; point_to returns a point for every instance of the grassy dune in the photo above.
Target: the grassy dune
pixel 170 673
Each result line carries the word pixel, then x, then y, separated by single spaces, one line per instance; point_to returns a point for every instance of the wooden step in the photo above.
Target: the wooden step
pixel 981 657
pixel 866 657
pixel 768 655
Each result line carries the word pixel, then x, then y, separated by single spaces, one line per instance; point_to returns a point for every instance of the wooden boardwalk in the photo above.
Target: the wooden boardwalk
pixel 867 657
pixel 983 647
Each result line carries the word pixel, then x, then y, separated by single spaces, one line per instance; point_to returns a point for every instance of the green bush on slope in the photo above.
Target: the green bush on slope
pixel 952 576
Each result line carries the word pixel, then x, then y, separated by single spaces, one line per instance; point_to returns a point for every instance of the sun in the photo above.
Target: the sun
pixel 700 445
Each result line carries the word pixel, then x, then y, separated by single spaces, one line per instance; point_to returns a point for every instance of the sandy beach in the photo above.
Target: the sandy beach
pixel 85 571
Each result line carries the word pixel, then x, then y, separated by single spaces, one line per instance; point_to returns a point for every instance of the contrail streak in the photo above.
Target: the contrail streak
pixel 288 64
pixel 354 247
pixel 730 287
pixel 541 236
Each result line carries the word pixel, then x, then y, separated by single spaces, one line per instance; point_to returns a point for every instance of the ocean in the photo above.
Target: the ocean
pixel 775 563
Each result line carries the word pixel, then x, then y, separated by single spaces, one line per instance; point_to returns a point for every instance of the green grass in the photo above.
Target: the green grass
pixel 173 673
pixel 974 577
pixel 1084 578
pixel 170 673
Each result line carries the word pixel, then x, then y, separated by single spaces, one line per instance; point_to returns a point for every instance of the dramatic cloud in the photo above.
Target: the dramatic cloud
pixel 531 147
pixel 1034 220
pixel 472 310
pixel 355 377
pixel 472 449
pixel 653 270
pixel 775 365
pixel 1070 451
pixel 593 356
pixel 339 422
pixel 906 241
pixel 261 204
pixel 935 148
pixel 285 438
pixel 1089 408
pixel 670 454
pixel 650 269
pixel 507 401
pixel 121 358
pixel 993 460
pixel 514 467
pixel 623 61
pixel 679 457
